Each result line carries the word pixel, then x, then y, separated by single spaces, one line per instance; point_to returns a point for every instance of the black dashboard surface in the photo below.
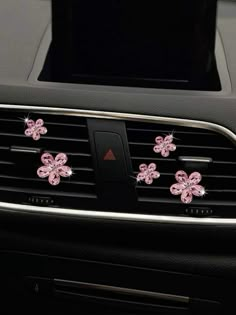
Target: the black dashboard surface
pixel 198 251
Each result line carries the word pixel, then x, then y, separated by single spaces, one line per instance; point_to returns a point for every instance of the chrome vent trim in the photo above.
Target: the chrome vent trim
pixel 8 207
pixel 23 209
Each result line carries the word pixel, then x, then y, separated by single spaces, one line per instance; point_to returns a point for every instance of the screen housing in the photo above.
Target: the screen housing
pixel 125 43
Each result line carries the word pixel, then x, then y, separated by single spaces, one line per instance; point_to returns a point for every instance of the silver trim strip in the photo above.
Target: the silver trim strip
pixel 195 159
pixel 121 290
pixel 24 150
pixel 10 207
pixel 127 217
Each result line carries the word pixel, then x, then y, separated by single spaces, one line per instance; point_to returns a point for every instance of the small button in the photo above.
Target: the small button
pixel 111 157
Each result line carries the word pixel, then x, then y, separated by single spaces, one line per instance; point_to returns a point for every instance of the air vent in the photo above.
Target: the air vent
pixel 20 158
pixel 215 157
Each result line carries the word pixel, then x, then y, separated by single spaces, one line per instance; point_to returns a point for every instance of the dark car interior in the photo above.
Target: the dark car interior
pixel 118 157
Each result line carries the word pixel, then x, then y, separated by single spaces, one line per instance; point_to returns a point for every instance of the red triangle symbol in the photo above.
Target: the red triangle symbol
pixel 109 156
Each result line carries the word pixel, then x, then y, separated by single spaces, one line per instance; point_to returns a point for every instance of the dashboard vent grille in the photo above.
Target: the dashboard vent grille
pixel 219 175
pixel 20 158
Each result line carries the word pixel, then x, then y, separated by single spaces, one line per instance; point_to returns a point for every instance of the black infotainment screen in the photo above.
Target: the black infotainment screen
pixel 129 42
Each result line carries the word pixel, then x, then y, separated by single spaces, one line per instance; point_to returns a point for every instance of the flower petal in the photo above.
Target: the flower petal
pixel 152 167
pixel 165 152
pixel 141 176
pixel 198 190
pixel 39 123
pixel 64 171
pixel 168 139
pixel 181 177
pixel 159 140
pixel 30 123
pixel 36 135
pixel 61 159
pixel 155 174
pixel 177 189
pixel 47 159
pixel 43 171
pixel 42 130
pixel 54 178
pixel 148 180
pixel 187 196
pixel 143 167
pixel 29 132
pixel 158 148
pixel 171 147
pixel 195 178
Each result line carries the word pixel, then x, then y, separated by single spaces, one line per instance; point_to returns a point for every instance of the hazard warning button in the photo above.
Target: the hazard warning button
pixel 111 156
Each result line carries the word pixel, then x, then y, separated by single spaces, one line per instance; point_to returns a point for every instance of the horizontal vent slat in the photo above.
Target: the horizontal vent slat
pixel 72 154
pixel 157 188
pixel 21 123
pixel 185 146
pixel 172 167
pixel 31 191
pixel 212 196
pixel 69 181
pixel 6 163
pixel 47 143
pixel 214 154
pixel 57 130
pixel 195 139
pixel 47 188
pixel 44 137
pixel 172 175
pixel 169 131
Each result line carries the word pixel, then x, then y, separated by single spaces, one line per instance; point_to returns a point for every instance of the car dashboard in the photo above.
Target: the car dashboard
pixel 105 231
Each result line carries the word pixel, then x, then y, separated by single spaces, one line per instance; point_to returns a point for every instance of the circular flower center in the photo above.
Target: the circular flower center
pixel 53 167
pixel 188 185
pixel 36 128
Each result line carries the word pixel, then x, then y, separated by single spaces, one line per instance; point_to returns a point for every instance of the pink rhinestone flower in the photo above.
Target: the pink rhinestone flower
pixel 164 145
pixel 147 173
pixel 187 187
pixel 54 168
pixel 35 129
